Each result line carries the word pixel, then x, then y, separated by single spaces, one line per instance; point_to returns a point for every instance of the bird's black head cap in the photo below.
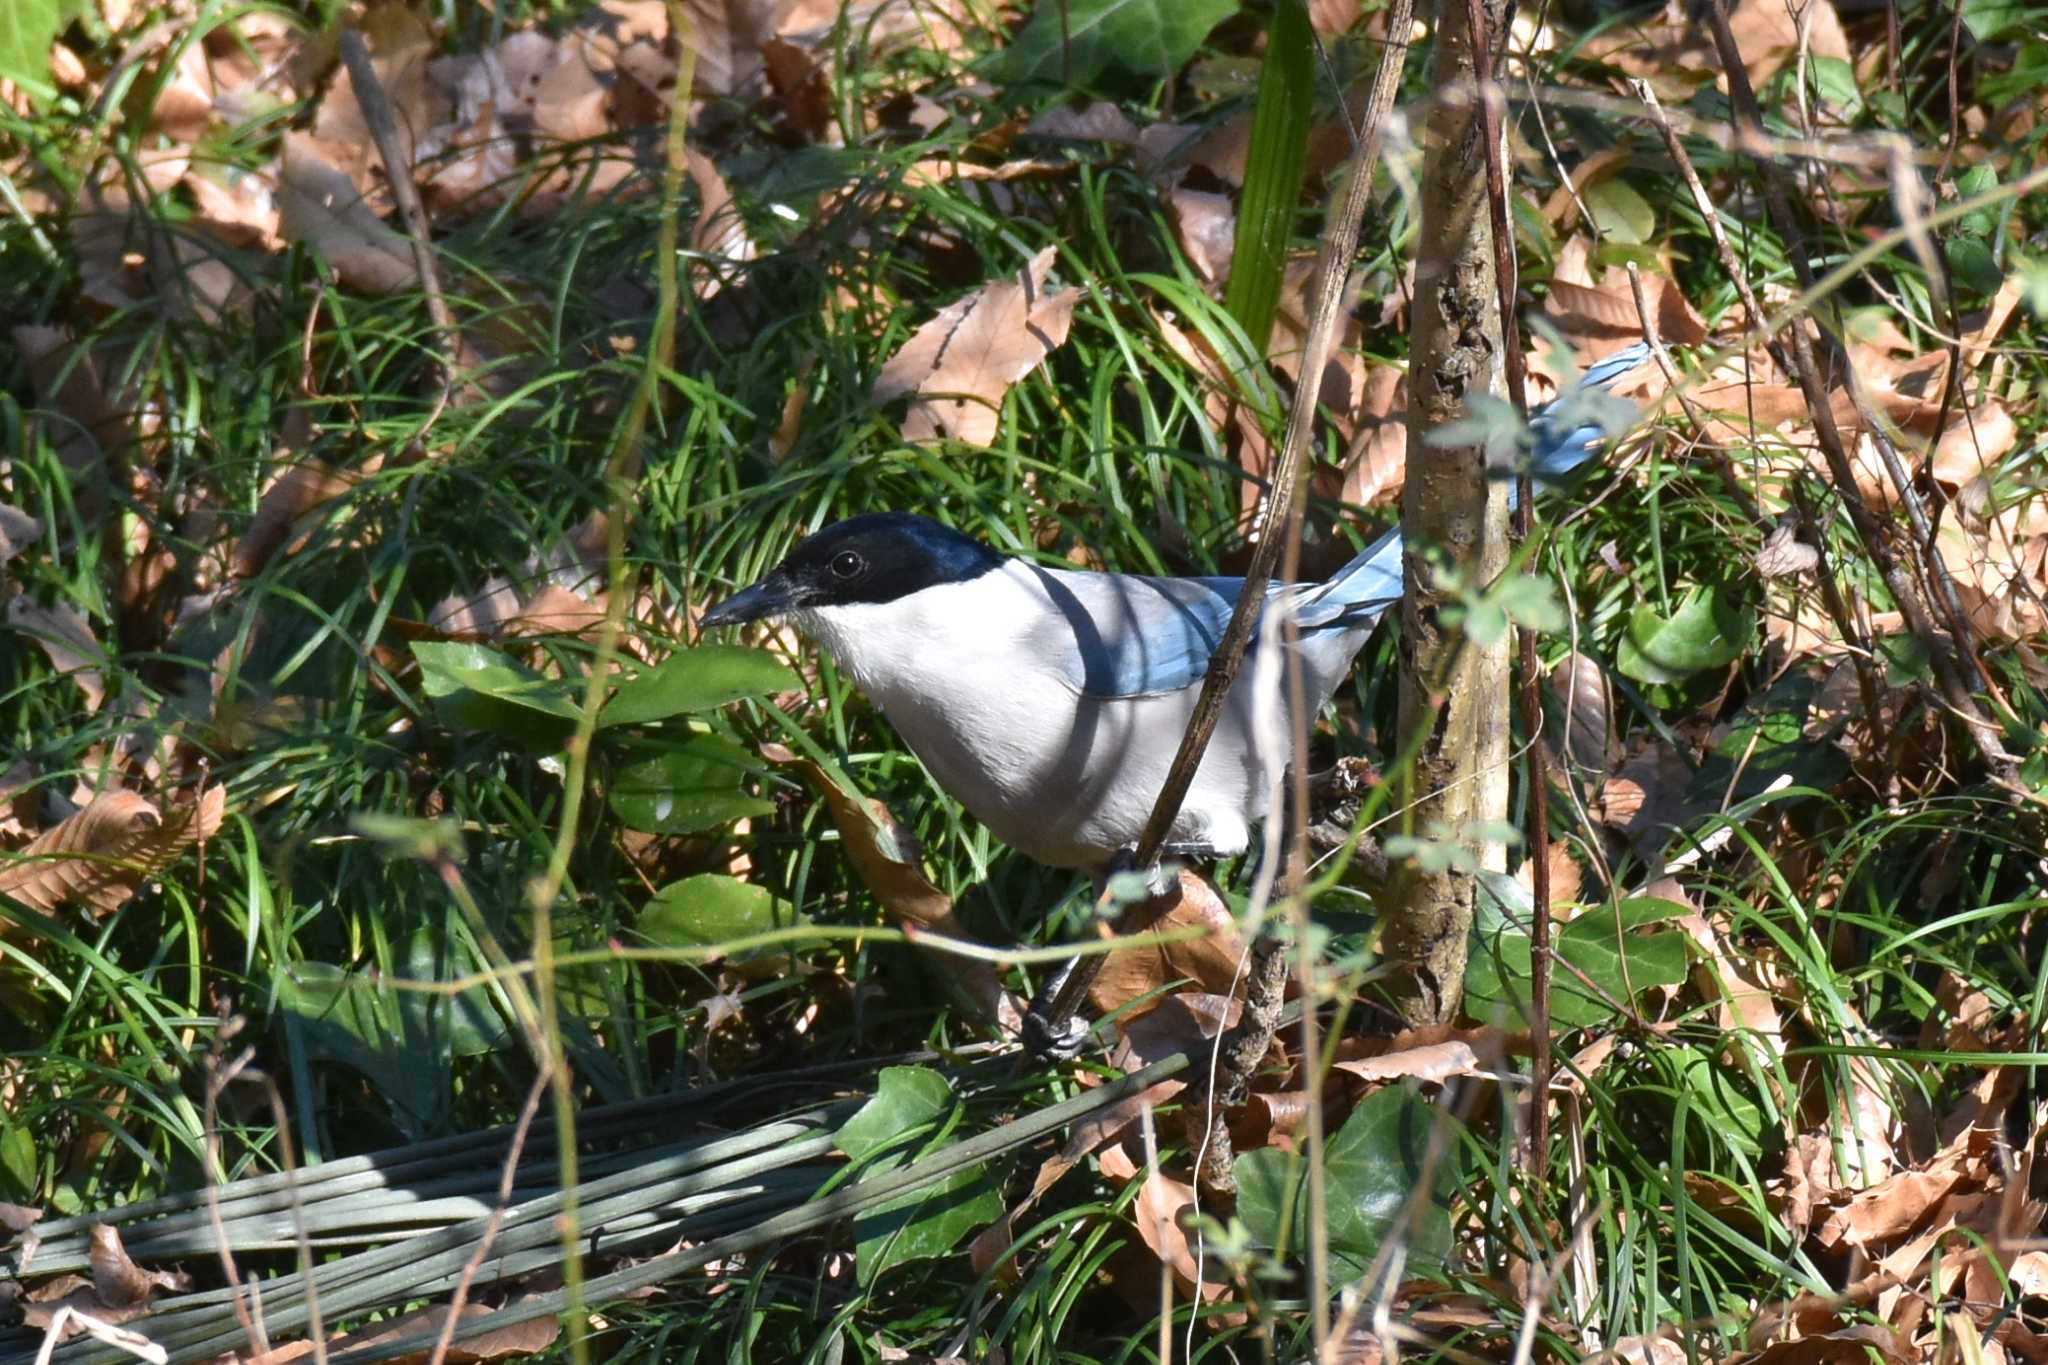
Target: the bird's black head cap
pixel 875 557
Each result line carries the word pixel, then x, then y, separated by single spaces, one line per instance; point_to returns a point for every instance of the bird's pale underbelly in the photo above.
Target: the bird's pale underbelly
pixel 1069 780
pixel 978 693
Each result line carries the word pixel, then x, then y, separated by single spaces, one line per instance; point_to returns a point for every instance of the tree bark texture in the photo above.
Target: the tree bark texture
pixel 1453 693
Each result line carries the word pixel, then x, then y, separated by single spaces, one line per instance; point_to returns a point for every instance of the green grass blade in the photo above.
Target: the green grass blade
pixel 1273 171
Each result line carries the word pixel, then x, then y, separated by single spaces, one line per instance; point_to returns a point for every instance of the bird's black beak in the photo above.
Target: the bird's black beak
pixel 772 596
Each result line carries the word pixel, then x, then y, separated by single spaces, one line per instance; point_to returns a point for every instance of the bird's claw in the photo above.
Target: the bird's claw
pixel 1054 1039
pixel 1046 1041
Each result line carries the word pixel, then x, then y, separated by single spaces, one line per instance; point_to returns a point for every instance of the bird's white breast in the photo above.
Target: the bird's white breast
pixel 974 678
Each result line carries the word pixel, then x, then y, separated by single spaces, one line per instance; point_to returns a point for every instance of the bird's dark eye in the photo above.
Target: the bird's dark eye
pixel 847 564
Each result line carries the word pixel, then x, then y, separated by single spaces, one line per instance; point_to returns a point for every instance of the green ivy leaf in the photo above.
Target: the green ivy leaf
pixel 1499 971
pixel 27 30
pixel 1083 38
pixel 356 1019
pixel 1974 264
pixel 708 910
pixel 700 679
pixel 18 1164
pixel 909 1100
pixel 1836 81
pixel 474 687
pixel 1707 631
pixel 1372 1169
pixel 687 789
pixel 1987 20
pixel 1622 214
pixel 1767 741
pixel 1721 1097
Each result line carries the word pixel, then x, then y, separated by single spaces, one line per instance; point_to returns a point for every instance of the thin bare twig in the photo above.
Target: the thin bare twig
pixel 383 122
pixel 507 1176
pixel 218 1079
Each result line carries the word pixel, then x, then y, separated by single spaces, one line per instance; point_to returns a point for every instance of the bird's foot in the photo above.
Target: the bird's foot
pixel 1047 1040
pixel 1051 1034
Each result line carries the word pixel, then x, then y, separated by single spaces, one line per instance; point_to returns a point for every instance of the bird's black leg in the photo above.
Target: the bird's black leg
pixel 1053 1028
pixel 1047 1037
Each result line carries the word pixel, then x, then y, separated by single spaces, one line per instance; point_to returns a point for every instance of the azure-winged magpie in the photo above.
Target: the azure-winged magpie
pixel 1050 702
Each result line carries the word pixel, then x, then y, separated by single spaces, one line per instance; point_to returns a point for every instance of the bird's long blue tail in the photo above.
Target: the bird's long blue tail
pixel 1567 429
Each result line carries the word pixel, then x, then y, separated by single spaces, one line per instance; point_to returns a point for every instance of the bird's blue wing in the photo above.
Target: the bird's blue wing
pixel 1121 635
pixel 1125 636
pixel 1570 425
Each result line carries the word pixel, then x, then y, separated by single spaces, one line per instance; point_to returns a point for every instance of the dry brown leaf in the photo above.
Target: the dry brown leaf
pixel 85 421
pixel 66 638
pixel 67 69
pixel 1222 400
pixel 1601 319
pixel 1844 1346
pixel 1158 1210
pixel 1768 34
pixel 503 1343
pixel 782 441
pixel 961 363
pixel 1430 1062
pixel 117 1280
pixel 720 234
pixel 1207 225
pixel 1866 1151
pixel 1562 208
pixel 101 856
pixel 238 206
pixel 482 615
pixel 555 611
pixel 1376 461
pixel 1212 960
pixel 503 610
pixel 41 1307
pixel 572 99
pixel 18 531
pixel 184 96
pixel 1645 796
pixel 1656 1350
pixel 1892 1208
pixel 883 853
pixel 1582 741
pixel 1976 442
pixel 1096 121
pixel 1186 1021
pixel 728 36
pixel 1331 17
pixel 19 817
pixel 401 48
pixel 1089 1134
pixel 1784 555
pixel 1985 334
pixel 802 87
pixel 1739 977
pixel 321 208
pixel 257 57
pixel 282 513
pixel 934 172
